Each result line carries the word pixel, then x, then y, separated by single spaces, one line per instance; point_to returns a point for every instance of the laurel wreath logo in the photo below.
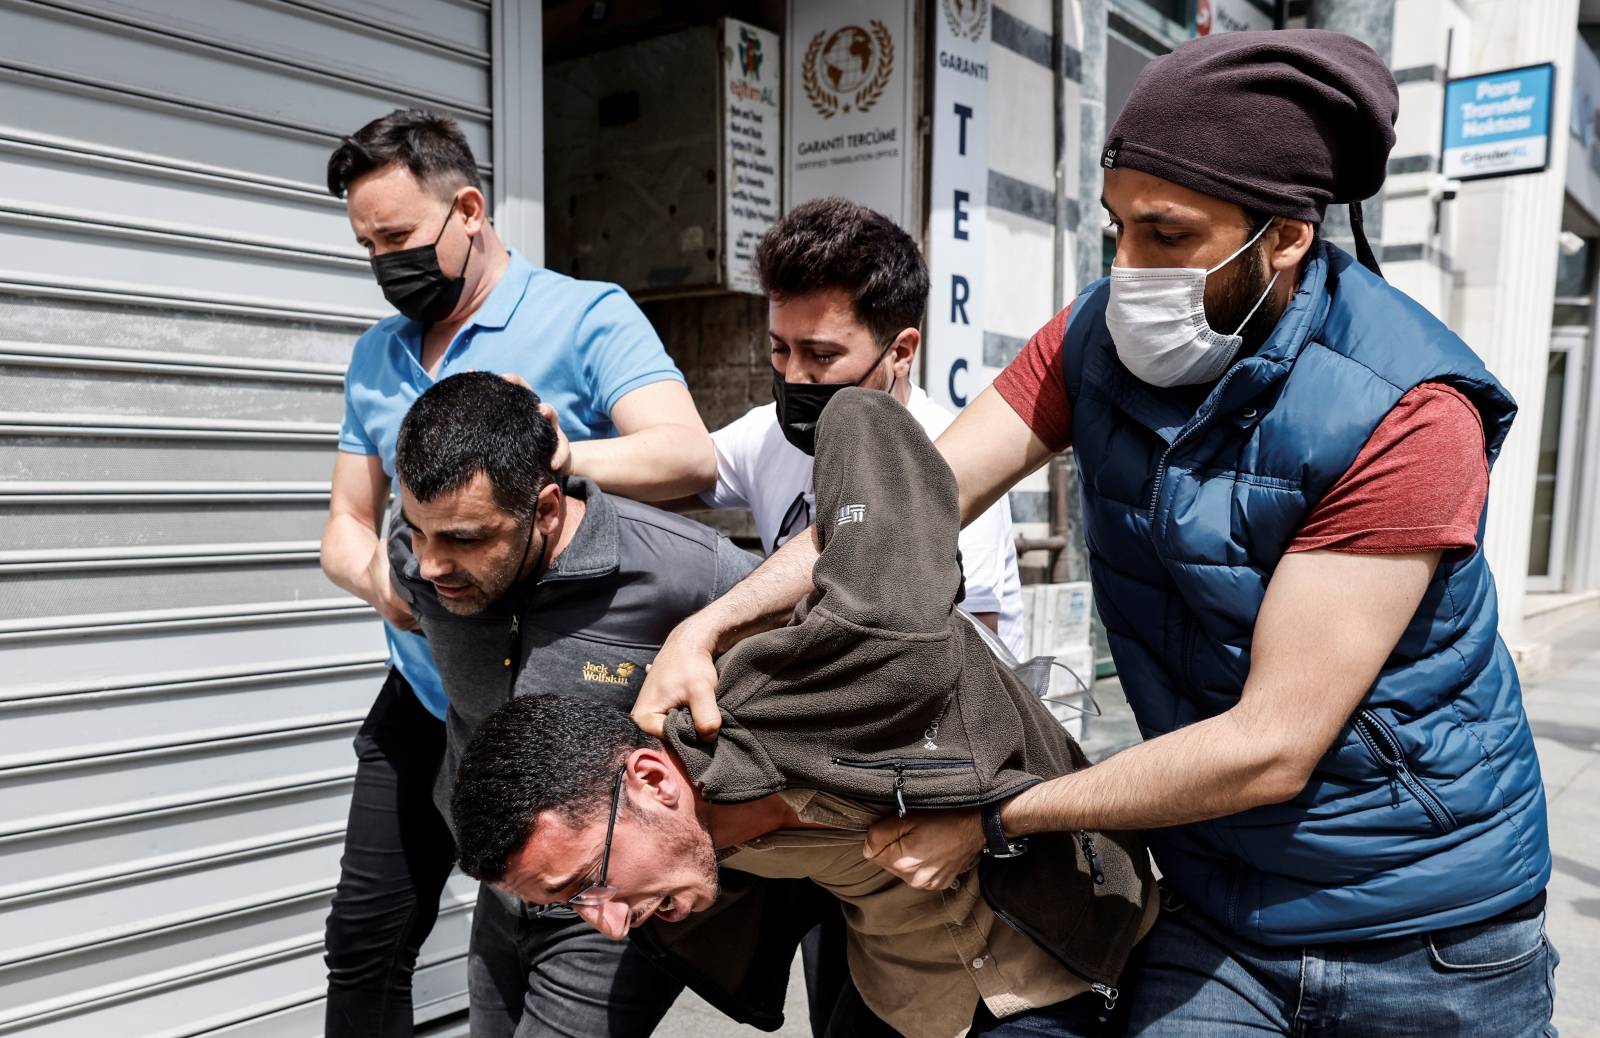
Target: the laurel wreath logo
pixel 971 26
pixel 822 100
pixel 829 104
pixel 869 93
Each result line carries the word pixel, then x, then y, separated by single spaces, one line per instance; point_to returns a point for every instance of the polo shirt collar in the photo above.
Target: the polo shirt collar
pixel 497 310
pixel 595 549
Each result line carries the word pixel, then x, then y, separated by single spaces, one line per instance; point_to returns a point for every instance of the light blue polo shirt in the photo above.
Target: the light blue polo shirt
pixel 582 346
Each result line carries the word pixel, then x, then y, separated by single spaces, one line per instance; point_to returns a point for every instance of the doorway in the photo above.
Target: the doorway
pixel 1555 479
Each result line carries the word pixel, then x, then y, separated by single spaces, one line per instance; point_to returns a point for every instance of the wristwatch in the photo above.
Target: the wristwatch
pixel 995 844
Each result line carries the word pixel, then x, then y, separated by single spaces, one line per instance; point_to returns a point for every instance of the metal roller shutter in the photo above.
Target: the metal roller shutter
pixel 179 684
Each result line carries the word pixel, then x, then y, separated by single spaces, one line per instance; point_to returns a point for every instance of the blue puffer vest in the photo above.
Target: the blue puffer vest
pixel 1428 811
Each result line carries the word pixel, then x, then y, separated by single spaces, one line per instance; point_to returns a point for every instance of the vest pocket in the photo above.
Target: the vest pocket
pixel 1385 748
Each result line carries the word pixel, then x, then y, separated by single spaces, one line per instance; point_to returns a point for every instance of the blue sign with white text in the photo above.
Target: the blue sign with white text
pixel 1498 124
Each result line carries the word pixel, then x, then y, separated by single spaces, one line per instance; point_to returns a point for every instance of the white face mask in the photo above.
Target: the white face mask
pixel 1157 318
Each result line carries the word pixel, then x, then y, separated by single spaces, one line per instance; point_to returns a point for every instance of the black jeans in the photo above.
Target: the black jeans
pixel 397 855
pixel 827 972
pixel 558 977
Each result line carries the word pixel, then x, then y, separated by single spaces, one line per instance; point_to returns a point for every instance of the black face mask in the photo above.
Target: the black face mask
pixel 413 283
pixel 800 404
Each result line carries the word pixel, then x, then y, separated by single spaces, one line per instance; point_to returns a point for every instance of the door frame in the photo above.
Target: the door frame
pixel 1574 341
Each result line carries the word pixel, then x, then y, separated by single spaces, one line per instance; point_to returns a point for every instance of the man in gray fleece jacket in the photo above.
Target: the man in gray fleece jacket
pixel 524 583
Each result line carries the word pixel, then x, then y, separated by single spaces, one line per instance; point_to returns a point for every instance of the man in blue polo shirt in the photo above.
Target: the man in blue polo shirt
pixel 465 302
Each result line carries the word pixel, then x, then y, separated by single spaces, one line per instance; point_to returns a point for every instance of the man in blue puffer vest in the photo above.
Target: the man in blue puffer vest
pixel 1284 465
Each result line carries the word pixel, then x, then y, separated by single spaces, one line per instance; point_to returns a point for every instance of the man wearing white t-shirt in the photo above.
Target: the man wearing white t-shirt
pixel 847 290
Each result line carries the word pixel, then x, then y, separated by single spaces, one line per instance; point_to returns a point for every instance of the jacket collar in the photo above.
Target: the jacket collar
pixel 594 551
pixel 596 547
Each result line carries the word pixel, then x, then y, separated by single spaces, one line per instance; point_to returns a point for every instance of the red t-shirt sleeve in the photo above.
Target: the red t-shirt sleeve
pixel 1036 387
pixel 1418 485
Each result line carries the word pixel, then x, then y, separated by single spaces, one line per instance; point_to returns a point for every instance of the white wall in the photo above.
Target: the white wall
pixel 1506 257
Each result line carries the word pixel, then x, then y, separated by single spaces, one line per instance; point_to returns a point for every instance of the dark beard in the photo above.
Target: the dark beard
pixel 691 844
pixel 1235 299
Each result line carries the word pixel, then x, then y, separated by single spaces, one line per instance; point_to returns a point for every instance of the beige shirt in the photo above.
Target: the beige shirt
pixel 920 958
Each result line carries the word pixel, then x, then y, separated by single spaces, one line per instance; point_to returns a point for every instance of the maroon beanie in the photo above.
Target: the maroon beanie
pixel 1283 122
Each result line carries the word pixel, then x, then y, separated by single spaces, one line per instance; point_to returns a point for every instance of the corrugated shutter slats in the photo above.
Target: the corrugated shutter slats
pixel 179 684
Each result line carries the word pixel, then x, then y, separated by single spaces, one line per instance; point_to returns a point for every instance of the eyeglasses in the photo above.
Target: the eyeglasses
pixel 597 892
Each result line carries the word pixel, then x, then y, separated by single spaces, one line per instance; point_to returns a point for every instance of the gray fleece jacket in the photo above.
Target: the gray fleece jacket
pixel 586 628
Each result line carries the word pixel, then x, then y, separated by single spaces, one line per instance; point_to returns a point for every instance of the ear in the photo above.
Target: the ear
pixel 653 776
pixel 1291 240
pixel 547 513
pixel 903 351
pixel 474 210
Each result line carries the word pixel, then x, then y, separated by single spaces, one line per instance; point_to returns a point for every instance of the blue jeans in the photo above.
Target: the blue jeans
pixel 1494 979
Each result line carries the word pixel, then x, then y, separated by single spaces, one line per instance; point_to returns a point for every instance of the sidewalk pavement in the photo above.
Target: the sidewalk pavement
pixel 1564 708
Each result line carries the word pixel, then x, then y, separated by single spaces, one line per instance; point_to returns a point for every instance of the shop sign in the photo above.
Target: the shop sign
pixel 752 146
pixel 958 203
pixel 849 113
pixel 1497 124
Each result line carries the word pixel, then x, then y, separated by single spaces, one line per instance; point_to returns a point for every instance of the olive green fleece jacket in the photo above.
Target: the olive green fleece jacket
pixel 879 692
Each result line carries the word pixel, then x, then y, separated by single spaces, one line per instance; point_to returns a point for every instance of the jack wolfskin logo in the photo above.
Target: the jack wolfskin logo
pixel 852 514
pixel 601 673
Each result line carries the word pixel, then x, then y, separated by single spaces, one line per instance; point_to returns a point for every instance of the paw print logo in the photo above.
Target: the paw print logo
pixel 625 669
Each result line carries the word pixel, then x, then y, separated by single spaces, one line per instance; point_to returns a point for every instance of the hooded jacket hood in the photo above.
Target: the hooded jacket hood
pixel 875 666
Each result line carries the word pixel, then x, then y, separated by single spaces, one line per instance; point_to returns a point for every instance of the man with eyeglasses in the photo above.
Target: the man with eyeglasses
pixel 874 702
pixel 847 290
pixel 523 580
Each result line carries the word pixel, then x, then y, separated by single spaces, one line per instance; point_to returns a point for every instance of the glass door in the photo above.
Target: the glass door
pixel 1559 434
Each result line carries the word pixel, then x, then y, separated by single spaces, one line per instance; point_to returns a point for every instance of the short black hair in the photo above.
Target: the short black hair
pixel 477 422
pixel 535 754
pixel 429 144
pixel 837 243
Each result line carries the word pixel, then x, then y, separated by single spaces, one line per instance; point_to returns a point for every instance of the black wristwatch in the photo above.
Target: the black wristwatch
pixel 995 844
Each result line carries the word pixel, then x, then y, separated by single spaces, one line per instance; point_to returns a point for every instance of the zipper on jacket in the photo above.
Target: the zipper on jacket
pixel 1386 748
pixel 1230 909
pixel 1095 871
pixel 1199 423
pixel 901 765
pixel 1105 991
pixel 513 655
